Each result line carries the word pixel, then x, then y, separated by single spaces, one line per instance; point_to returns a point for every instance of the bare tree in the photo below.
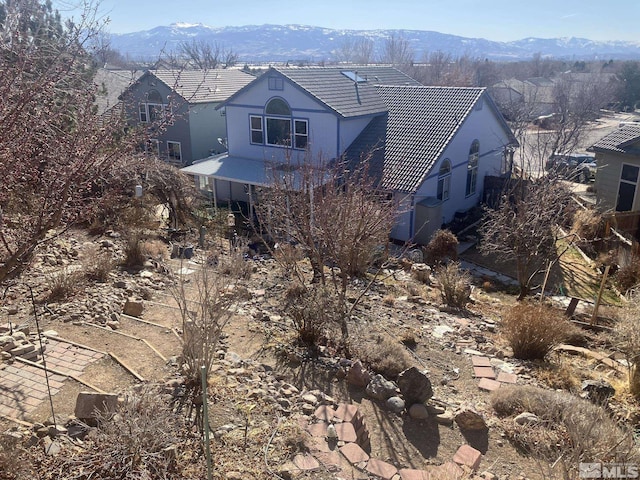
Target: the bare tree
pixel 397 51
pixel 335 217
pixel 206 55
pixel 523 228
pixel 355 50
pixel 55 149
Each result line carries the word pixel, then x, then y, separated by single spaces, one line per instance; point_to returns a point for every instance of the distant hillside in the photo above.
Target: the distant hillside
pixel 282 43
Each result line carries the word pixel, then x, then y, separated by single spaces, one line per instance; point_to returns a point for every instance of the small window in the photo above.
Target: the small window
pixel 257 133
pixel 142 113
pixel 174 152
pixel 472 168
pixel 444 180
pixel 301 135
pixel 276 83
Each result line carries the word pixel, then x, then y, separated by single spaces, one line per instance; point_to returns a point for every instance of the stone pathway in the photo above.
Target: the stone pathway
pixel 23 386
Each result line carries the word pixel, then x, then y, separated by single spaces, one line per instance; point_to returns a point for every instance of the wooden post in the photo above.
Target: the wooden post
pixel 594 317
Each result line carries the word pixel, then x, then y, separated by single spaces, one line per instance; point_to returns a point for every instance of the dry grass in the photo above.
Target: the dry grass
pixel 571 429
pixel 383 354
pixel 455 285
pixel 533 329
pixel 97 265
pixel 64 284
pixel 558 376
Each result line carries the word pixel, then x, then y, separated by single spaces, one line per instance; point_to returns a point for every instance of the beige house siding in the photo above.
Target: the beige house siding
pixel 608 179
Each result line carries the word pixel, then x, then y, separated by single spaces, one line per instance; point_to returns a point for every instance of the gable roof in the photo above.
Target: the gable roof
pixel 421 122
pixel 111 83
pixel 622 140
pixel 203 86
pixel 336 88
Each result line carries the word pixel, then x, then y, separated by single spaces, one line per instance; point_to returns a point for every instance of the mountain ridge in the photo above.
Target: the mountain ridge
pixel 294 42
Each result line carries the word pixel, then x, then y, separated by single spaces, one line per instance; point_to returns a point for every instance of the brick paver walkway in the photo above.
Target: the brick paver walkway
pixel 23 387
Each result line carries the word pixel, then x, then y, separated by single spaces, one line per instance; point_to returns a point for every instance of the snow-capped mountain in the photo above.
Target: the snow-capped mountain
pixel 281 43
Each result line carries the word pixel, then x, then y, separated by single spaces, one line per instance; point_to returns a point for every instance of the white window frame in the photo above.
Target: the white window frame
pixel 146 109
pixel 444 181
pixel 287 141
pixel 169 156
pixel 252 129
pixel 296 135
pixel 472 170
pixel 628 182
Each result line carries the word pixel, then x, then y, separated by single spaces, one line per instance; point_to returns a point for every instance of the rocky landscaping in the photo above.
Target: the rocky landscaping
pixel 415 398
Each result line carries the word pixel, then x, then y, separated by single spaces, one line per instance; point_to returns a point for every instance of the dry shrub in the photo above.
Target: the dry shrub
pixel 133 254
pixel 64 284
pixel 455 285
pixel 315 314
pixel 571 429
pixel 628 275
pixel 12 466
pixel 144 439
pixel 155 248
pixel 626 337
pixel 98 265
pixel 234 265
pixel 389 300
pixel 442 247
pixel 558 376
pixel 383 354
pixel 533 329
pixel 587 224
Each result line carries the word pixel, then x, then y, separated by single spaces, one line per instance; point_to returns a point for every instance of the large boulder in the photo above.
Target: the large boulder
pixel 380 388
pixel 415 386
pixel 90 404
pixel 133 307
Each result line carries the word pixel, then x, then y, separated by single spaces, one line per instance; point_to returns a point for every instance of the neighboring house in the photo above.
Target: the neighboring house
pixel 111 83
pixel 618 175
pixel 197 129
pixel 433 146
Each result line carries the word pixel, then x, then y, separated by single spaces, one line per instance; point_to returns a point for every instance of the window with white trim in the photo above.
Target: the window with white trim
pixel 257 133
pixel 472 168
pixel 152 109
pixel 444 180
pixel 276 83
pixel 277 128
pixel 627 187
pixel 174 152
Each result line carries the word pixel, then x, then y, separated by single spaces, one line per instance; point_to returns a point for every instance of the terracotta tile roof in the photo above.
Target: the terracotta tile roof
pixel 204 86
pixel 625 139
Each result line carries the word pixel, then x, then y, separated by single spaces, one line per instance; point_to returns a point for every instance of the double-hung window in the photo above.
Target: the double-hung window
pixel 301 134
pixel 174 152
pixel 472 168
pixel 257 132
pixel 278 128
pixel 444 180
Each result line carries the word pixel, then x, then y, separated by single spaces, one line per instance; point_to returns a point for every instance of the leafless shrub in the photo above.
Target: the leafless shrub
pixel 133 254
pixel 207 302
pixel 442 247
pixel 532 330
pixel 64 284
pixel 315 315
pixel 144 439
pixel 97 265
pixel 571 429
pixel 628 275
pixel 155 248
pixel 455 285
pixel 587 224
pixel 383 354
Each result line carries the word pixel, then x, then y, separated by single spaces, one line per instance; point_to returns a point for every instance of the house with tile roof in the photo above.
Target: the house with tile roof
pixel 431 146
pixel 618 174
pixel 196 129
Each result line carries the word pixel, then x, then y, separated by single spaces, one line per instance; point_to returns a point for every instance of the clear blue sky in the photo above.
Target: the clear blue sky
pixel 501 20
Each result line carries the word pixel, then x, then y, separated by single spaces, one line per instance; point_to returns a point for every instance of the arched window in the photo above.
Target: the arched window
pixel 444 180
pixel 277 106
pixel 472 168
pixel 281 128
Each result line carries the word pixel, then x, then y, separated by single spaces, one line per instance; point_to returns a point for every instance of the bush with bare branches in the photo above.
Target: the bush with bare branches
pixel 442 247
pixel 626 336
pixel 455 285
